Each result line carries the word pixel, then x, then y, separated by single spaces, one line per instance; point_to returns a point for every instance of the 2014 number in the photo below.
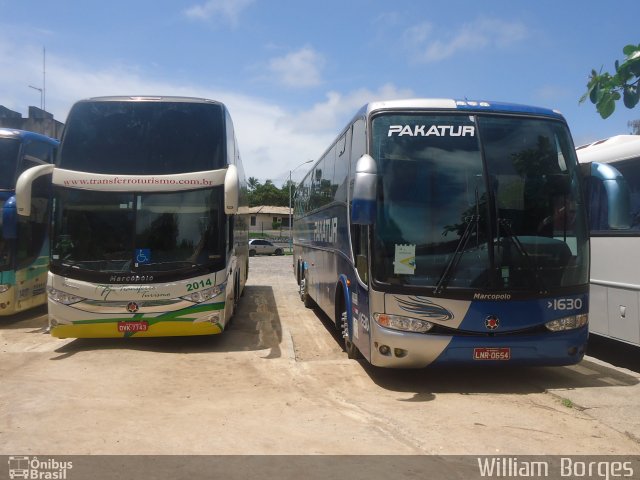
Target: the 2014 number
pixel 199 284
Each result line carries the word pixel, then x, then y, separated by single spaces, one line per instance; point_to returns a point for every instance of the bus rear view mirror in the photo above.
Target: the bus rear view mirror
pixel 231 190
pixel 363 205
pixel 9 219
pixel 24 184
pixel 618 195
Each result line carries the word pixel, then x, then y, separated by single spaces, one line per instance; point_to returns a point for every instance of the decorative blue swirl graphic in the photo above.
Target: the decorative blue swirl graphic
pixel 424 308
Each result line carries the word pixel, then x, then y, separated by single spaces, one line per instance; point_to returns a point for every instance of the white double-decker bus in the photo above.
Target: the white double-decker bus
pixel 436 231
pixel 146 239
pixel 612 170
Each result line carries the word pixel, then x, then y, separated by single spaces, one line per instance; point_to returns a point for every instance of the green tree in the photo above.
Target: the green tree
pixel 253 183
pixel 268 194
pixel 605 89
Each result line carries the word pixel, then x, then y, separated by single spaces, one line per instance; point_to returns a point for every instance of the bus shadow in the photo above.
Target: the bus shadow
pixel 614 352
pixel 33 318
pixel 425 383
pixel 428 382
pixel 255 326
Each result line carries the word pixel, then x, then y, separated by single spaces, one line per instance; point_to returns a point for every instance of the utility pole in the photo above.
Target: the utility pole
pixel 43 90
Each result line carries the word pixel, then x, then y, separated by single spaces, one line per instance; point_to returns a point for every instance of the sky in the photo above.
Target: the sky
pixel 294 72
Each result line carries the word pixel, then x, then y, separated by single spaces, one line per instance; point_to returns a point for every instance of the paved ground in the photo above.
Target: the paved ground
pixel 277 382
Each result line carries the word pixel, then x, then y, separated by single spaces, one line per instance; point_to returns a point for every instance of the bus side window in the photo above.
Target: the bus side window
pixel 360 239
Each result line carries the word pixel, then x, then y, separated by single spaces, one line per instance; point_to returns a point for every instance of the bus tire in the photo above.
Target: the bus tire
pixel 349 347
pixel 304 293
pixel 236 292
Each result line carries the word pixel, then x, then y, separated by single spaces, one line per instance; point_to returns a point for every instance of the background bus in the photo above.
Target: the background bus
pixel 443 231
pixel 24 246
pixel 146 236
pixel 612 170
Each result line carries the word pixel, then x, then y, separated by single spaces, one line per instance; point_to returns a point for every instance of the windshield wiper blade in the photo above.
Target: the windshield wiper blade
pixel 472 225
pixel 506 228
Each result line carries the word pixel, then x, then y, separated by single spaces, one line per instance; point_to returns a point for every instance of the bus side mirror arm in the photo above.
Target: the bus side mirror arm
pixel 363 204
pixel 231 190
pixel 24 184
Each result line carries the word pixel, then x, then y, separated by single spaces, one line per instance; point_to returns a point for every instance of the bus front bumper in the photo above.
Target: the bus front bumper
pixel 65 321
pixel 391 348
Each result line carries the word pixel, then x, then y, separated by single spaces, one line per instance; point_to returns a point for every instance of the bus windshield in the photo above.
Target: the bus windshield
pixel 124 233
pixel 478 202
pixel 9 149
pixel 5 251
pixel 143 137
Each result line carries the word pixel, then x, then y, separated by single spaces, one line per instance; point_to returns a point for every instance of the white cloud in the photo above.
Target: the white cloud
pixel 417 35
pixel 228 9
pixel 298 69
pixel 272 139
pixel 481 34
pixel 330 116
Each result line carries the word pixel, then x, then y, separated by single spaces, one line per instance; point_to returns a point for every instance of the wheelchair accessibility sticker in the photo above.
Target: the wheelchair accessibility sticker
pixel 143 256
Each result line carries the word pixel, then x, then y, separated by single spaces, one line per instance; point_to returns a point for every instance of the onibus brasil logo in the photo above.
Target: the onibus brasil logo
pixel 38 469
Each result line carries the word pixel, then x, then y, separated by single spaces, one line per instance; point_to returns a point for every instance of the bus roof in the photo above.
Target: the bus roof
pixel 149 98
pixel 451 104
pixel 25 135
pixel 612 149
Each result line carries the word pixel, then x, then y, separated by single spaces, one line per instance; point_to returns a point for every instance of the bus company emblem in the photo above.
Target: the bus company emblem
pixel 132 307
pixel 492 322
pixel 424 308
pixel 432 130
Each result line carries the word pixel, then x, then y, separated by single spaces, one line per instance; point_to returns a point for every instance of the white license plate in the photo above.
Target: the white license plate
pixel 489 353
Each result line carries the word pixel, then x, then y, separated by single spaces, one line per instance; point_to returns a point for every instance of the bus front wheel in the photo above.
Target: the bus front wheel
pixel 352 351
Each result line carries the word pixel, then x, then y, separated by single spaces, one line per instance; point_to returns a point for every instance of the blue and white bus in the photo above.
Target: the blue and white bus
pixel 437 231
pixel 24 245
pixel 148 234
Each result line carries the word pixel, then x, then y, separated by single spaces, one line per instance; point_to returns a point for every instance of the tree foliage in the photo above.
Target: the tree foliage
pixel 268 194
pixel 605 89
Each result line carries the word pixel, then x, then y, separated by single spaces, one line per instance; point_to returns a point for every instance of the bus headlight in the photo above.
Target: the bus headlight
pixel 203 295
pixel 4 287
pixel 63 297
pixel 406 324
pixel 568 323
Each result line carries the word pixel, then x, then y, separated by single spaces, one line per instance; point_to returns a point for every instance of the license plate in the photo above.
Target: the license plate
pixel 487 353
pixel 125 327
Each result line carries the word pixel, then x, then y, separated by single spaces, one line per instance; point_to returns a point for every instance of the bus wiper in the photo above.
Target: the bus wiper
pixel 472 225
pixel 168 265
pixel 506 228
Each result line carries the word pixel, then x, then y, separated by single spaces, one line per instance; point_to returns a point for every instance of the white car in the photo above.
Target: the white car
pixel 263 247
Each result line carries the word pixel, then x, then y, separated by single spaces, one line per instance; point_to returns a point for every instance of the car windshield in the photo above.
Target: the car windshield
pixel 477 202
